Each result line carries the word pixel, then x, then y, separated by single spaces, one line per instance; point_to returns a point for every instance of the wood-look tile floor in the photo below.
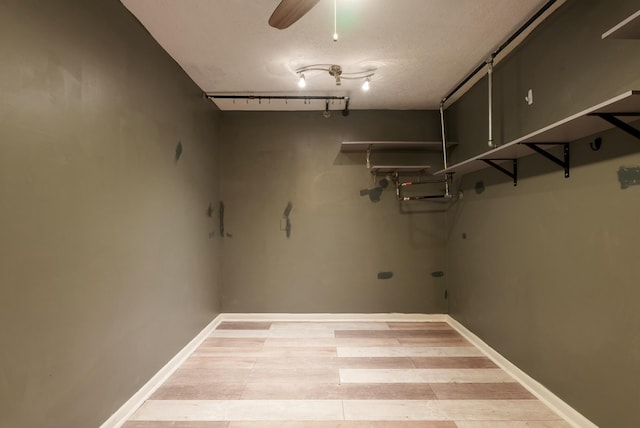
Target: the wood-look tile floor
pixel 340 375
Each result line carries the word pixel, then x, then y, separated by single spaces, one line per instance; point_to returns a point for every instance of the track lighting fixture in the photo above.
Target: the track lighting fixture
pixel 336 72
pixel 301 82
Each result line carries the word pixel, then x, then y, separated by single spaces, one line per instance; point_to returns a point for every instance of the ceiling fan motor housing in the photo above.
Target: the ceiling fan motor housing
pixel 336 71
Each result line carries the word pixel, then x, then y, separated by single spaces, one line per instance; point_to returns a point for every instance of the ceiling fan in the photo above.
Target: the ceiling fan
pixel 289 11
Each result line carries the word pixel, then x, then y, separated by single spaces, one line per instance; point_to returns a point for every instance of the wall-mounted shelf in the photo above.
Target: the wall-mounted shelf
pixel 627 29
pixel 387 146
pixel 617 111
pixel 400 169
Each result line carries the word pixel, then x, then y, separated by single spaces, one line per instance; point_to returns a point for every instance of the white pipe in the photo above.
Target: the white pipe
pixel 490 84
pixel 444 149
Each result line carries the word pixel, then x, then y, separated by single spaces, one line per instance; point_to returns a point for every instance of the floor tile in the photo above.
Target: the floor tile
pixel 174 424
pixel 397 333
pixel 292 351
pixel 198 376
pixel 239 410
pixel 240 333
pixel 320 342
pixel 412 351
pixel 478 410
pixel 335 391
pixel 433 341
pixel 453 363
pixel 199 391
pixel 512 424
pixel 334 362
pixel 329 325
pixel 297 375
pixel 423 375
pixel 233 342
pixel 481 391
pixel 244 325
pixel 419 326
pixel 217 362
pixel 343 424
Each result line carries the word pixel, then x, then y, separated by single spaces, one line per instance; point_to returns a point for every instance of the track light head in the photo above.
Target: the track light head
pixel 365 85
pixel 301 81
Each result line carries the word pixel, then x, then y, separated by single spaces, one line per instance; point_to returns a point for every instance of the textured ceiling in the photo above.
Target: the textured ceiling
pixel 420 49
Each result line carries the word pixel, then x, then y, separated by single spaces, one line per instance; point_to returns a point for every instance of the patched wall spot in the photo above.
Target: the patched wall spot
pixel 178 151
pixel 629 176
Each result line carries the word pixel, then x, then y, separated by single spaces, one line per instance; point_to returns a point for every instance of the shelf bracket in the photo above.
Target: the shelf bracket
pixel 562 162
pixel 513 174
pixel 612 118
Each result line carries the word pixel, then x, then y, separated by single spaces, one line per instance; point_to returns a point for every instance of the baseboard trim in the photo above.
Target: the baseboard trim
pixel 573 417
pixel 131 405
pixel 381 317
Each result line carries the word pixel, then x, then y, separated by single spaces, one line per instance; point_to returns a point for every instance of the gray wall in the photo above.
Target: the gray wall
pixel 548 272
pixel 340 240
pixel 106 264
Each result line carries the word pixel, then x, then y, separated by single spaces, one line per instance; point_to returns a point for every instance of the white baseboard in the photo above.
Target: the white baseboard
pixel 554 402
pixel 336 317
pixel 131 405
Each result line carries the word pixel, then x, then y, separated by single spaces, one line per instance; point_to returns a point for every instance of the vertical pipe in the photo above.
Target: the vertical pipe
pixel 490 84
pixel 444 149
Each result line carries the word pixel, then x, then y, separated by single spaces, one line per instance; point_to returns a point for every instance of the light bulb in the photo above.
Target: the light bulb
pixel 335 37
pixel 301 82
pixel 365 85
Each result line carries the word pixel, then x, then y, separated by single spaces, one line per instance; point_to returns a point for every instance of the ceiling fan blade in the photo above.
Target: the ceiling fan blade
pixel 289 11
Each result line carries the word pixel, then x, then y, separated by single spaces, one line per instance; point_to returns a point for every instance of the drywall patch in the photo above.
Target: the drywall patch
pixel 285 215
pixel 385 275
pixel 629 176
pixel 375 194
pixel 479 187
pixel 178 151
pixel 221 209
pixel 437 274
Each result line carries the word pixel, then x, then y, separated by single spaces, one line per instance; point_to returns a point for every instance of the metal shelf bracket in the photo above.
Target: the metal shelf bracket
pixel 512 174
pixel 562 162
pixel 612 118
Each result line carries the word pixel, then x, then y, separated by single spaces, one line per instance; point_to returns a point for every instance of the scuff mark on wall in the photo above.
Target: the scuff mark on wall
pixel 385 275
pixel 629 176
pixel 437 274
pixel 178 151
